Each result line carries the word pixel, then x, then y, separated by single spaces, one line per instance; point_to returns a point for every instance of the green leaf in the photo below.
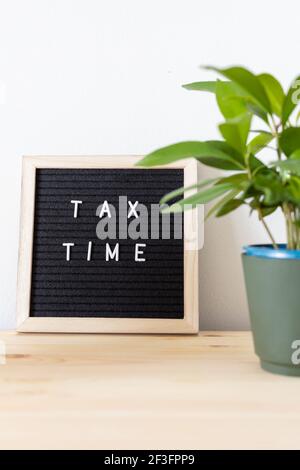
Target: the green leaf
pixel 257 111
pixel 248 82
pixel 272 188
pixel 255 164
pixel 291 100
pixel 234 101
pixel 200 198
pixel 259 142
pixel 259 131
pixel 251 191
pixel 238 180
pixel 229 206
pixel 201 86
pixel 274 92
pixel 295 155
pixel 230 99
pixel 290 165
pixel 178 192
pixel 293 190
pixel 217 154
pixel 289 140
pixel 235 131
pixel 221 202
pixel 265 211
pixel 228 158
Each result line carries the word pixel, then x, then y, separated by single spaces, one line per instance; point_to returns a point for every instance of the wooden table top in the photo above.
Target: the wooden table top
pixel 142 392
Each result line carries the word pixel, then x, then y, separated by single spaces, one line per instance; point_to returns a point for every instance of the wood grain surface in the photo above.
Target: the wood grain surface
pixel 142 392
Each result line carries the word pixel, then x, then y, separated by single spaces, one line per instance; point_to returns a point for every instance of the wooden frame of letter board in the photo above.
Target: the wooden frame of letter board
pixel 25 323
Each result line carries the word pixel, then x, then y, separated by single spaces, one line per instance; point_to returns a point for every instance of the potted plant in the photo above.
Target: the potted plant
pixel 272 271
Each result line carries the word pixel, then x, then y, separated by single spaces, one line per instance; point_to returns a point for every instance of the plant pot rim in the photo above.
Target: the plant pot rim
pixel 268 252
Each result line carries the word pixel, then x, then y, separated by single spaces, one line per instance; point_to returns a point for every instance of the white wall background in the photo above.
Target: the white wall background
pixel 95 76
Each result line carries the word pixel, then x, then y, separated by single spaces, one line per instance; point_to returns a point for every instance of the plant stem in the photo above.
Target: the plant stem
pixel 275 133
pixel 261 218
pixel 297 227
pixel 290 227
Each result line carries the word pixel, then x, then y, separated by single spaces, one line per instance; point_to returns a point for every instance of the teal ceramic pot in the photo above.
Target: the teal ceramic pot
pixel 272 280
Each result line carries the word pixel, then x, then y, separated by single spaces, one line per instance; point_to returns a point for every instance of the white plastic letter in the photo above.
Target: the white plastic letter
pixel 76 204
pixel 105 210
pixel 139 252
pixel 68 252
pixel 112 254
pixel 89 253
pixel 133 209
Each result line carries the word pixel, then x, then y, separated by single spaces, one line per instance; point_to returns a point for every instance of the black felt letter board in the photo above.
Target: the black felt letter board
pixel 97 288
